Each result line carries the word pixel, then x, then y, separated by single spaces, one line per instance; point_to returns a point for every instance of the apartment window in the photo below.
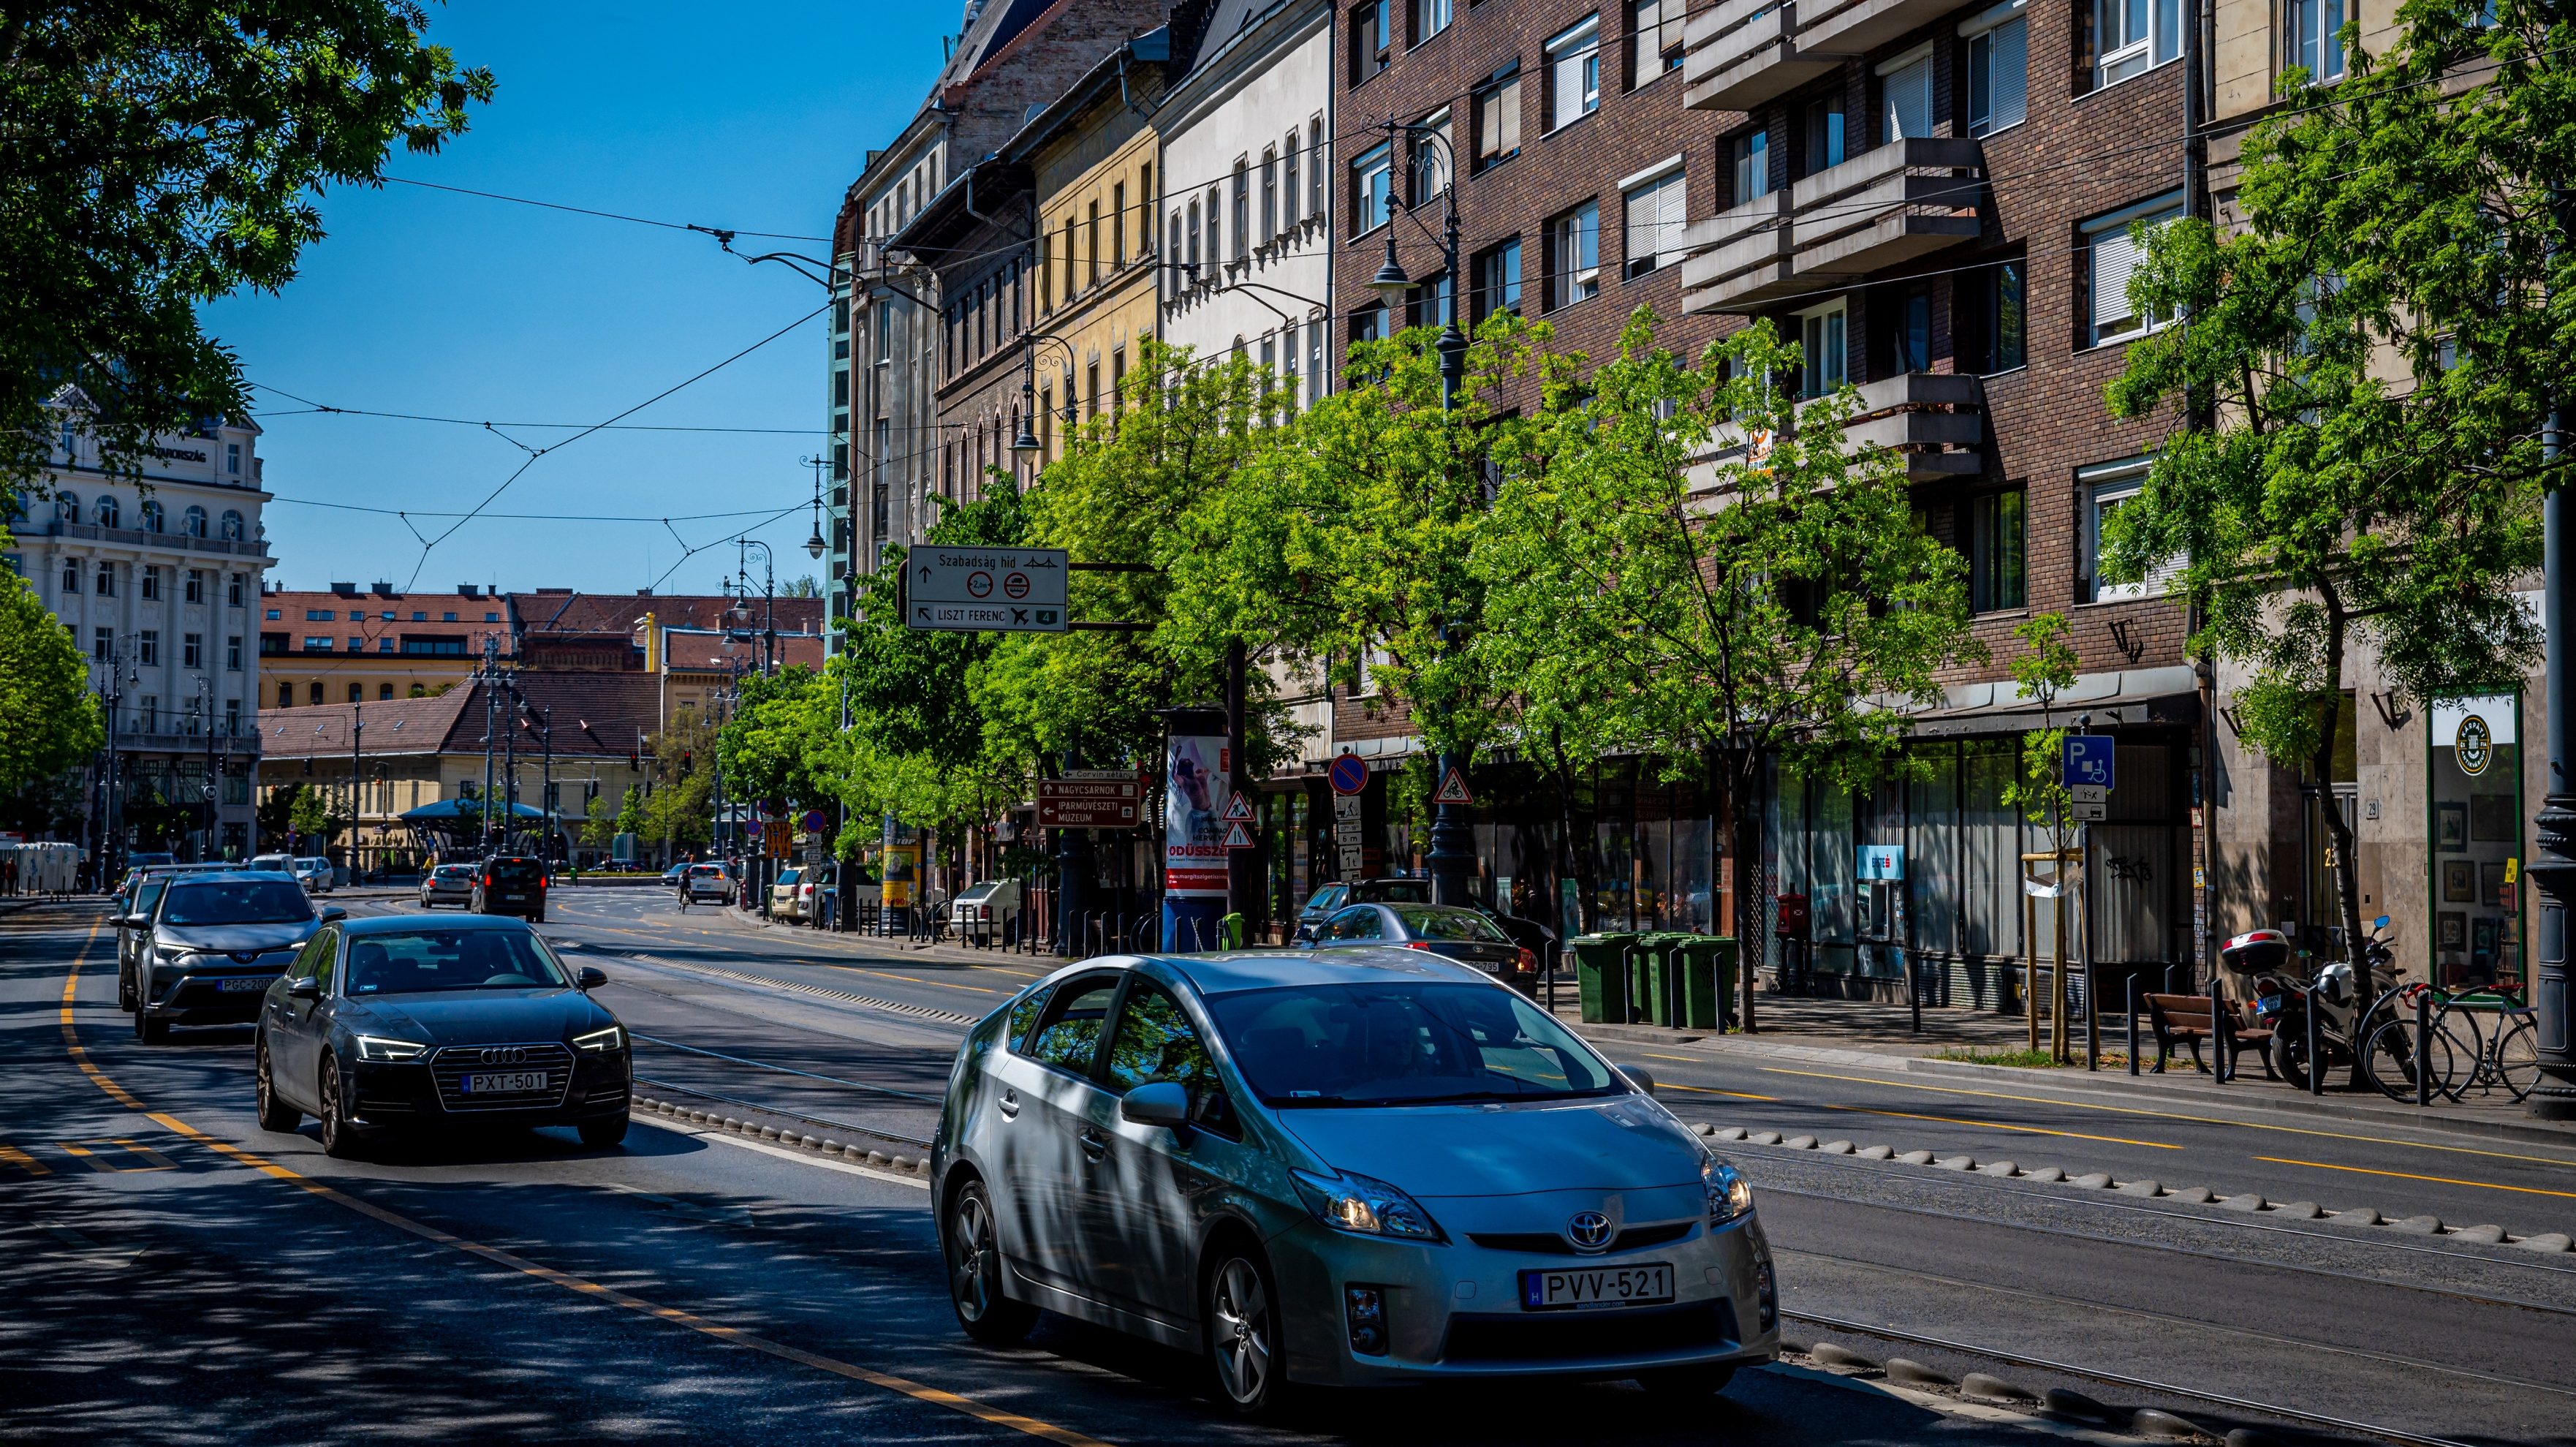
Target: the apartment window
pixel 1091 390
pixel 1430 17
pixel 2105 489
pixel 1216 224
pixel 1997 576
pixel 1371 27
pixel 1289 195
pixel 2131 37
pixel 2313 47
pixel 1091 233
pixel 153 517
pixel 1655 221
pixel 1574 255
pixel 1498 120
pixel 71 575
pixel 1998 68
pixel 232 525
pixel 1574 73
pixel 317 644
pixel 1371 192
pixel 1117 377
pixel 1242 218
pixel 357 644
pixel 286 695
pixel 1368 324
pixel 147 647
pixel 1269 193
pixel 2109 253
pixel 357 693
pixel 1066 251
pixel 1315 170
pixel 1118 223
pixel 1173 237
pixel 1654 39
pixel 192 523
pixel 192 650
pixel 102 643
pixel 1825 143
pixel 233 590
pixel 384 691
pixel 107 580
pixel 233 654
pixel 1433 303
pixel 443 617
pixel 1994 326
pixel 1824 354
pixel 1193 257
pixel 232 725
pixel 1909 330
pixel 150 713
pixel 1428 174
pixel 107 511
pixel 1751 154
pixel 1046 424
pixel 313 691
pixel 385 644
pixel 1905 96
pixel 1498 279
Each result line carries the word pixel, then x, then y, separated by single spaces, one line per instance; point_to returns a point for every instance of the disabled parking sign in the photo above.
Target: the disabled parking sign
pixel 2088 761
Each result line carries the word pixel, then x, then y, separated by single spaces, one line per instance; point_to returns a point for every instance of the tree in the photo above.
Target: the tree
pixel 680 810
pixel 2372 358
pixel 49 720
pixel 2040 793
pixel 1683 560
pixel 158 155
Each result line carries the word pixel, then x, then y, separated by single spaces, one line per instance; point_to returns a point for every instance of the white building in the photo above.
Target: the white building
pixel 1247 144
pixel 157 576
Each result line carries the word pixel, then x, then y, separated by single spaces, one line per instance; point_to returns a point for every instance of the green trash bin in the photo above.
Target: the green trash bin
pixel 1651 977
pixel 1601 977
pixel 1707 979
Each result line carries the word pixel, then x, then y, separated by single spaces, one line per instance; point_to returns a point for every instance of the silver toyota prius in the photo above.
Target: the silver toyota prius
pixel 1358 1169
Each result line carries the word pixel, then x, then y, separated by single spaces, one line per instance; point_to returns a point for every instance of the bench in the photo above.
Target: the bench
pixel 2186 1018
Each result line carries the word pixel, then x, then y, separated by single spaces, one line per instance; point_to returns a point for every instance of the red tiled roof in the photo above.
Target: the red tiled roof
pixel 617 615
pixel 594 715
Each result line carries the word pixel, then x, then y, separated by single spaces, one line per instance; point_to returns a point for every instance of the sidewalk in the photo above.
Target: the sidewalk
pixel 1870 1035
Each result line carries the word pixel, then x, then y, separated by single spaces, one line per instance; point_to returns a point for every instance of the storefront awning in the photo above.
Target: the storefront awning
pixel 2124 698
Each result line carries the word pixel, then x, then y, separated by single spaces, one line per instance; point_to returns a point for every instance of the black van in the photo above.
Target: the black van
pixel 511 884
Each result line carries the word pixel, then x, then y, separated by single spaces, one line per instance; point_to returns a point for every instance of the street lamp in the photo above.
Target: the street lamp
pixel 769 594
pixel 1027 442
pixel 814 544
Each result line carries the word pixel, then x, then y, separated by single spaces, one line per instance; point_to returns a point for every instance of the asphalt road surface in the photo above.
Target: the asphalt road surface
pixel 175 1274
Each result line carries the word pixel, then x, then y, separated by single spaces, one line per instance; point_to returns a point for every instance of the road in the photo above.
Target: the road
pixel 177 1274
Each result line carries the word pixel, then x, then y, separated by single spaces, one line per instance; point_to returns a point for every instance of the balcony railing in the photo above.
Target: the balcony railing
pixel 1934 421
pixel 1887 205
pixel 140 538
pixel 1744 52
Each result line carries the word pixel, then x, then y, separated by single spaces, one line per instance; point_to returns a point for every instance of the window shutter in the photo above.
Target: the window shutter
pixel 1669 220
pixel 1643 212
pixel 2115 256
pixel 1909 101
pixel 1509 96
pixel 2011 82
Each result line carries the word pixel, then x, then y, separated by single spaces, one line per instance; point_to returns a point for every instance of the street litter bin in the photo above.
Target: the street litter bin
pixel 1601 977
pixel 1650 981
pixel 1707 979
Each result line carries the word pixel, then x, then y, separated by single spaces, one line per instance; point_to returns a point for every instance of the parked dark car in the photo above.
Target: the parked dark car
pixel 212 944
pixel 1468 936
pixel 403 1021
pixel 511 884
pixel 1328 900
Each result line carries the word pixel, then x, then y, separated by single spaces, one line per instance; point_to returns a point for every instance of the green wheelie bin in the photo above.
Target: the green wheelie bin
pixel 1601 977
pixel 1651 980
pixel 1707 965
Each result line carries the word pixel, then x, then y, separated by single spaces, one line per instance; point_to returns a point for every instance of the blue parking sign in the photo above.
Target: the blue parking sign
pixel 2088 761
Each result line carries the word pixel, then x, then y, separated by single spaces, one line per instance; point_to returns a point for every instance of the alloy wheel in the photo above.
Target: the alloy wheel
pixel 977 1261
pixel 1241 1331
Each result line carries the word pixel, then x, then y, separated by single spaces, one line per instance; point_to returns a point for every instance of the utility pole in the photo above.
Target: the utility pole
pixel 2554 872
pixel 510 769
pixel 357 787
pixel 491 720
pixel 552 812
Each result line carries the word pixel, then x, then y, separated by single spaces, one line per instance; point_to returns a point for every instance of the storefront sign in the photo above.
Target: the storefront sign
pixel 2473 744
pixel 1197 778
pixel 1091 799
pixel 1880 861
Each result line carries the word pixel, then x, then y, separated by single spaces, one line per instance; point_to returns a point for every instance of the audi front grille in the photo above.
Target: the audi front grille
pixel 453 1063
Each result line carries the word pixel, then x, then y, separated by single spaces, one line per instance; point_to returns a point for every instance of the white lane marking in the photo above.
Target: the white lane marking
pixel 799 1157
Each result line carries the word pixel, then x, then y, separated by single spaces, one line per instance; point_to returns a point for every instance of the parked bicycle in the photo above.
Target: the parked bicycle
pixel 2477 1040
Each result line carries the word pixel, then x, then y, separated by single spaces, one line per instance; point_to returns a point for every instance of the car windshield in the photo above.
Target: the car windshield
pixel 1324 899
pixel 1396 891
pixel 247 901
pixel 706 871
pixel 1413 1042
pixel 417 962
pixel 1430 922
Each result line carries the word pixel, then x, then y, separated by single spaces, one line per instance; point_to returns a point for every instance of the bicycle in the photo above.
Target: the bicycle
pixel 2455 1052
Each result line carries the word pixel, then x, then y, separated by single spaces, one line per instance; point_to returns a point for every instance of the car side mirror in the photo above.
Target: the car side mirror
pixel 306 988
pixel 1640 1077
pixel 331 912
pixel 591 977
pixel 1161 1102
pixel 132 921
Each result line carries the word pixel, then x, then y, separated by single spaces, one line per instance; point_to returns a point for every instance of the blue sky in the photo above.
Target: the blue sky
pixel 754 116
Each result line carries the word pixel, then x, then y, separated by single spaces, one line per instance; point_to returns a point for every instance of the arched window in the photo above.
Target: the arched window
pixel 67 507
pixel 193 522
pixel 232 525
pixel 152 521
pixel 108 512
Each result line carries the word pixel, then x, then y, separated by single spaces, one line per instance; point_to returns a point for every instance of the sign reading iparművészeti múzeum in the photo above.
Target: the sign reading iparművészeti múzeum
pixel 977 590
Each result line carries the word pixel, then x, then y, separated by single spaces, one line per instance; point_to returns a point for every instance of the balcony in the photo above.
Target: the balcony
pixel 1745 52
pixel 1885 206
pixel 1933 421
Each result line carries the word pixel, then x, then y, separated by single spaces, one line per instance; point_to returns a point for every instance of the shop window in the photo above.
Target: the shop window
pixel 1997 551
pixel 2476 838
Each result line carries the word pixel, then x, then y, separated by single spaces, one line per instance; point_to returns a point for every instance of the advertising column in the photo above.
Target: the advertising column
pixel 1198 777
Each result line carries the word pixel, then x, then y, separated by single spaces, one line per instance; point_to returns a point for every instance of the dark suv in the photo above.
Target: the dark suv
pixel 511 884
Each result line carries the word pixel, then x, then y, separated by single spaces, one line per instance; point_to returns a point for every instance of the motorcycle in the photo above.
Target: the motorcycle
pixel 2282 1003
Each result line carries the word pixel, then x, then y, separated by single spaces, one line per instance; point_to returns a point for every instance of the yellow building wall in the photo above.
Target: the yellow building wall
pixel 1098 176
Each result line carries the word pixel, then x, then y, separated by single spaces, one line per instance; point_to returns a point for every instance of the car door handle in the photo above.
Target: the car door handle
pixel 1094 1144
pixel 1009 1105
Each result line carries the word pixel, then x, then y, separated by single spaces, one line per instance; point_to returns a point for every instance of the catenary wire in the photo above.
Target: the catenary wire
pixel 603 215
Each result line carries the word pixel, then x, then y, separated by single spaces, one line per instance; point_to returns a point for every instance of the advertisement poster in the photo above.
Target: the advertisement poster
pixel 1196 785
pixel 901 869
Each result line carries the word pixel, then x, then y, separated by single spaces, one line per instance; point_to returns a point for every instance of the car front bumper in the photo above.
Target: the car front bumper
pixel 409 1094
pixel 184 996
pixel 1453 1311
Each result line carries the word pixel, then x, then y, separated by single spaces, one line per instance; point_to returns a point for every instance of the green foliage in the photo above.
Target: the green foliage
pixel 680 810
pixel 629 818
pixel 2044 672
pixel 49 721
pixel 309 814
pixel 159 155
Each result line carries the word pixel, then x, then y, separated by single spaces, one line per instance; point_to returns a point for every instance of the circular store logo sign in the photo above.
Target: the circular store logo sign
pixel 2473 746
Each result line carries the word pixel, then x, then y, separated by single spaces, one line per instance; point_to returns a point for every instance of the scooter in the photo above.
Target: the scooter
pixel 2282 1003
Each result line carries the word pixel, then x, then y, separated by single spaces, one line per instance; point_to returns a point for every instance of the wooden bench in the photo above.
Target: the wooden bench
pixel 2180 1018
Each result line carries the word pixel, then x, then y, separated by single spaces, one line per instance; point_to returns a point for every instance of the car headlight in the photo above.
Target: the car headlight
pixel 1728 1195
pixel 1365 1206
pixel 381 1049
pixel 602 1041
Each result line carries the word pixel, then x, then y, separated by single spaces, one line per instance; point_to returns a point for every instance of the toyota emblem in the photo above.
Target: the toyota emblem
pixel 1588 1230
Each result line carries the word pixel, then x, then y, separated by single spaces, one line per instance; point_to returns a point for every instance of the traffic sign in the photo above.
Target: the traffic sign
pixel 1348 774
pixel 1091 799
pixel 2090 794
pixel 1351 862
pixel 2094 813
pixel 1453 789
pixel 813 821
pixel 2088 760
pixel 1346 831
pixel 1239 807
pixel 1237 836
pixel 985 590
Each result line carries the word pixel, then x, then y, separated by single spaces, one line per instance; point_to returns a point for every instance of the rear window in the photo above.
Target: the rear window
pixel 1423 922
pixel 790 876
pixel 1395 891
pixel 515 871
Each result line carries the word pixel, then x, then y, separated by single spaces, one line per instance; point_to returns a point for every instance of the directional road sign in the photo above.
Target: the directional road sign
pixel 985 590
pixel 1104 800
pixel 2089 760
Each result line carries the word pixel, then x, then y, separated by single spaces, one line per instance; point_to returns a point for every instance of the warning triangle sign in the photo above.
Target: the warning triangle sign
pixel 1238 837
pixel 1453 789
pixel 1239 808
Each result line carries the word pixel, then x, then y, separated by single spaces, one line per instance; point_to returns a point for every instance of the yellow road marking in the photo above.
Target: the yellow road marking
pixel 918 1391
pixel 1711 1090
pixel 2410 1176
pixel 2075 1135
pixel 102 1160
pixel 11 1156
pixel 2175 1115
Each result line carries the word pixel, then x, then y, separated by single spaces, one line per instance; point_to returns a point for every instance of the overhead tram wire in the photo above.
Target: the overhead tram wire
pixel 602 215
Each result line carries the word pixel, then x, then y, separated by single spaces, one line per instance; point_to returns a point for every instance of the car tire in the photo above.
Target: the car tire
pixel 1244 1352
pixel 1687 1383
pixel 537 917
pixel 275 1115
pixel 125 992
pixel 149 1030
pixel 599 1135
pixel 339 1138
pixel 973 1247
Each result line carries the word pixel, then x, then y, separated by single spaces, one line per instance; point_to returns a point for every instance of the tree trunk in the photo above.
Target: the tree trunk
pixel 2347 878
pixel 1744 838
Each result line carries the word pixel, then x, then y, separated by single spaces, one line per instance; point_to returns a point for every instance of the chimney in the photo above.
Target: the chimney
pixel 344 590
pixel 468 590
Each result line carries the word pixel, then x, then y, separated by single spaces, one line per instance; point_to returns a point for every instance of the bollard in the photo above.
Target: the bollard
pixel 2316 1058
pixel 2423 1055
pixel 2092 1018
pixel 2217 1032
pixel 1913 989
pixel 2133 1024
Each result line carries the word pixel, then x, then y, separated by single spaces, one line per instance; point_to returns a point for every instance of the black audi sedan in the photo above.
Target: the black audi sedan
pixel 405 1022
pixel 1468 936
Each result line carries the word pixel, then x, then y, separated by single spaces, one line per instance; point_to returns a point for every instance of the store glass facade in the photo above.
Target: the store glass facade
pixel 2473 817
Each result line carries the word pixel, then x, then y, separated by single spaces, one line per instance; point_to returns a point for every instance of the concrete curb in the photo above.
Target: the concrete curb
pixel 874 1160
pixel 2056 1409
